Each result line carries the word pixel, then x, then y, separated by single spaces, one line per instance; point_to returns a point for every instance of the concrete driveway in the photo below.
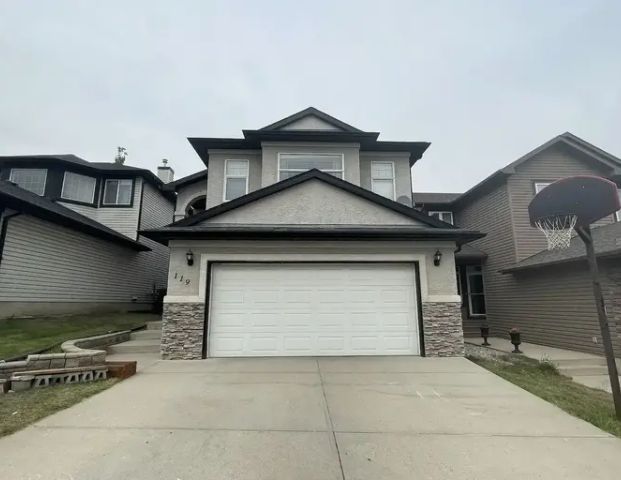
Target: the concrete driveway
pixel 304 418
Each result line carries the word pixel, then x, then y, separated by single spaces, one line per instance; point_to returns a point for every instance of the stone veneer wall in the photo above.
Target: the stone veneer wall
pixel 443 331
pixel 182 331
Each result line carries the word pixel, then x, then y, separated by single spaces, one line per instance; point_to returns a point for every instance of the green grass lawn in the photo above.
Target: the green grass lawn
pixel 542 379
pixel 23 335
pixel 18 410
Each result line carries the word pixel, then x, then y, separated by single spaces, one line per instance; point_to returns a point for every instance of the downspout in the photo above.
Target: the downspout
pixel 4 222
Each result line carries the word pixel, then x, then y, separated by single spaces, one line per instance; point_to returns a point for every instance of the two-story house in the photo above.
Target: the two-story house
pixel 69 235
pixel 508 278
pixel 308 245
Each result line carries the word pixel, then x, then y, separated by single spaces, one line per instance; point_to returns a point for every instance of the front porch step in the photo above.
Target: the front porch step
pixel 154 325
pixel 136 346
pixel 146 335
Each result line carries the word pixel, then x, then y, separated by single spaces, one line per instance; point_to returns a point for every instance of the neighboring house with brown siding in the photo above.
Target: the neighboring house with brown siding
pixel 510 281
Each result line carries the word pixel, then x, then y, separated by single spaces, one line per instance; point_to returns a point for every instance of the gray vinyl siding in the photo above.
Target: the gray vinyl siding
pixel 157 211
pixel 549 165
pixel 555 306
pixel 122 219
pixel 552 305
pixel 491 214
pixel 44 262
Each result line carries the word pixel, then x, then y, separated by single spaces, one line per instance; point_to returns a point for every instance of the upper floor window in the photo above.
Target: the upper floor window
pixel 31 179
pixel 383 179
pixel 79 188
pixel 118 192
pixel 291 164
pixel 235 179
pixel 444 216
pixel 541 185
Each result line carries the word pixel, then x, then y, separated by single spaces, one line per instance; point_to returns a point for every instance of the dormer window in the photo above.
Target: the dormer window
pixel 235 179
pixel 78 188
pixel 383 179
pixel 118 192
pixel 291 164
pixel 446 216
pixel 31 179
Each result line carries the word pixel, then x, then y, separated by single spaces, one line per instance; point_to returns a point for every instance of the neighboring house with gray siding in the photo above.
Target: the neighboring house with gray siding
pixel 308 245
pixel 514 282
pixel 70 237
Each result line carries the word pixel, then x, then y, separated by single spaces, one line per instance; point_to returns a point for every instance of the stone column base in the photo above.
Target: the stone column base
pixel 182 331
pixel 443 331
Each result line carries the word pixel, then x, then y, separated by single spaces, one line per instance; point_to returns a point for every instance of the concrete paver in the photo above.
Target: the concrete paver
pixel 305 418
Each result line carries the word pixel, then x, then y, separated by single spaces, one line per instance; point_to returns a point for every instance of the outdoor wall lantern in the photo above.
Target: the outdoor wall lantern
pixel 190 258
pixel 437 258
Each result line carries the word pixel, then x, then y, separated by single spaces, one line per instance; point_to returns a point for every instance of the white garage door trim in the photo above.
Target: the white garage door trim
pixel 313 309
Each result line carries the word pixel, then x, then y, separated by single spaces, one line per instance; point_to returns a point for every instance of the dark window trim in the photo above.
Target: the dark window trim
pixel 417 292
pixel 114 205
pixel 4 220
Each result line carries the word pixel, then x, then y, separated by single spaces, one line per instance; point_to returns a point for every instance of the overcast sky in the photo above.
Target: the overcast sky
pixel 484 81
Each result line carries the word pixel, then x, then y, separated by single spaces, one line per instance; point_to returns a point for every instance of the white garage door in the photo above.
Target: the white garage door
pixel 291 309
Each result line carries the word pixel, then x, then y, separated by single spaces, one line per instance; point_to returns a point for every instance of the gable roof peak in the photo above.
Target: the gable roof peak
pixel 311 112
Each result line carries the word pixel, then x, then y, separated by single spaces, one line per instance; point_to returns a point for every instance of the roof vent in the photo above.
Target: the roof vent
pixel 164 172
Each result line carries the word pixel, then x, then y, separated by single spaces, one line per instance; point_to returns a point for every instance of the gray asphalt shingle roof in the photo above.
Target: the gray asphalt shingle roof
pixel 19 199
pixel 606 238
pixel 434 197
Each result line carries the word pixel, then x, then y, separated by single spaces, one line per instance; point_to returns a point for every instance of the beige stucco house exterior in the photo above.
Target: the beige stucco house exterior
pixel 309 245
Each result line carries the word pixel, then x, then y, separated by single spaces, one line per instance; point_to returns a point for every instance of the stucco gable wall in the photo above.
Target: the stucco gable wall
pixel 313 203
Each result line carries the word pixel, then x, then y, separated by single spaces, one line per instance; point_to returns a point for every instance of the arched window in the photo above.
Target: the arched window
pixel 195 206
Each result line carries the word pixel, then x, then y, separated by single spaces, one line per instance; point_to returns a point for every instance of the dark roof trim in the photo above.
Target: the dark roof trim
pixel 181 182
pixel 309 232
pixel 101 168
pixel 367 141
pixel 566 138
pixel 24 201
pixel 581 258
pixel 301 178
pixel 311 111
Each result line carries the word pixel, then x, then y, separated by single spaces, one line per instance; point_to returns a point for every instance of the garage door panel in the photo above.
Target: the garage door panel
pixel 312 309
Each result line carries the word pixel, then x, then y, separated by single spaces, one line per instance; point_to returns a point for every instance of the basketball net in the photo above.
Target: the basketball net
pixel 557 230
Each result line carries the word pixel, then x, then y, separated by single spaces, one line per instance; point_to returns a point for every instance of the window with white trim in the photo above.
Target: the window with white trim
pixel 540 186
pixel 31 179
pixel 383 179
pixel 618 212
pixel 476 292
pixel 118 192
pixel 444 216
pixel 291 164
pixel 235 179
pixel 80 188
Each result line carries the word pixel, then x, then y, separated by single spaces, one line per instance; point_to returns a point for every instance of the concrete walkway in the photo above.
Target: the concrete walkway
pixel 584 368
pixel 312 419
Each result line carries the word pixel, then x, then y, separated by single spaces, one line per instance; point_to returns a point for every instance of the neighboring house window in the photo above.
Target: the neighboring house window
pixel 383 179
pixel 618 214
pixel 31 179
pixel 540 186
pixel 444 216
pixel 476 294
pixel 235 179
pixel 291 164
pixel 118 192
pixel 196 206
pixel 78 187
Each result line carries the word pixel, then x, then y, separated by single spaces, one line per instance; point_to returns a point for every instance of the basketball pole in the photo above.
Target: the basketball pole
pixel 585 234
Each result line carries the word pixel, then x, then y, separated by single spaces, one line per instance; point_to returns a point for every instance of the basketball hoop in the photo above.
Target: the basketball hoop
pixel 574 203
pixel 558 230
